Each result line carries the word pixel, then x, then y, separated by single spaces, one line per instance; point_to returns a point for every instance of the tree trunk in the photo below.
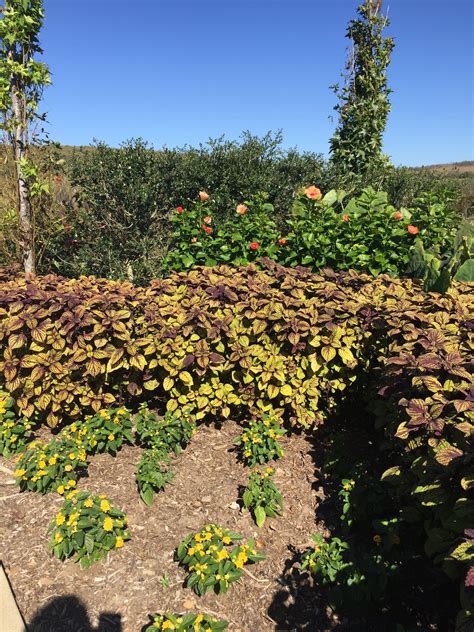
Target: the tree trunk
pixel 24 202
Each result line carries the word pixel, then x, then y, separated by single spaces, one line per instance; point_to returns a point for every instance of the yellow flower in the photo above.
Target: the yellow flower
pixel 108 524
pixel 104 505
pixel 191 550
pixel 20 472
pixel 168 625
pixel 73 519
pixel 42 472
pixel 71 483
pixel 52 460
pixel 61 489
pixel 72 456
pixel 222 555
pixel 118 542
pixel 240 559
pixel 42 465
pixel 226 539
pixel 60 519
pixel 111 437
pixel 68 467
pixel 58 538
pixel 89 503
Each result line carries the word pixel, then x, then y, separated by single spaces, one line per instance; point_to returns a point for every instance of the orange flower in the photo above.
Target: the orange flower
pixel 312 192
pixel 207 229
pixel 203 196
pixel 413 230
pixel 207 219
pixel 179 210
pixel 397 215
pixel 193 240
pixel 254 245
pixel 345 218
pixel 241 209
pixel 282 242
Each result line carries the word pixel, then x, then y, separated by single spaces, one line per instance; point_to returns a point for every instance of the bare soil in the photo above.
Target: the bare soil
pixel 117 594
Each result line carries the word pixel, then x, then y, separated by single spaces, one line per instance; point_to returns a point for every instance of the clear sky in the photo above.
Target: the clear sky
pixel 177 72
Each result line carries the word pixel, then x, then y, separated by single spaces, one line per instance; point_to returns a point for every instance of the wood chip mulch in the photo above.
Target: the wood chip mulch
pixel 117 594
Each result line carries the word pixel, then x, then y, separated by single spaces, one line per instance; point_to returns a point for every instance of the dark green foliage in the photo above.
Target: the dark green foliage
pixel 356 147
pixel 125 195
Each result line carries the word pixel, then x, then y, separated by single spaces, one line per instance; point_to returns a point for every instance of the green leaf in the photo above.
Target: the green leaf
pixel 465 272
pixel 260 515
pixel 89 543
pixel 147 496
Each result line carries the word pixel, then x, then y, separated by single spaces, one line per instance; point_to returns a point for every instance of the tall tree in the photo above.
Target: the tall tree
pixel 363 104
pixel 22 80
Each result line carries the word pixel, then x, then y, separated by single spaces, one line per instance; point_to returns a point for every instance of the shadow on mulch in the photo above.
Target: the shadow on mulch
pixel 422 598
pixel 69 614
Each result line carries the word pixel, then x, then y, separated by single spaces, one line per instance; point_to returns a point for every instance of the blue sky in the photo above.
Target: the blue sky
pixel 177 72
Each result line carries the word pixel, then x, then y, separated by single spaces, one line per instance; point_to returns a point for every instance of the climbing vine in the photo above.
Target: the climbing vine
pixel 363 104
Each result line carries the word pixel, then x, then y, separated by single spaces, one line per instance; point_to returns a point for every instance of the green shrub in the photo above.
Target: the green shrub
pixel 53 466
pixel 201 239
pixel 153 474
pixel 259 442
pixel 87 527
pixel 261 496
pixel 168 434
pixel 185 623
pixel 211 565
pixel 14 433
pixel 362 232
pixel 120 224
pixel 106 431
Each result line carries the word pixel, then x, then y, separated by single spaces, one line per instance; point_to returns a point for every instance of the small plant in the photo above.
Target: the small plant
pixel 347 485
pixel 106 431
pixel 326 559
pixel 261 496
pixel 168 434
pixel 185 623
pixel 87 527
pixel 14 434
pixel 53 466
pixel 259 442
pixel 212 563
pixel 153 474
pixel 164 581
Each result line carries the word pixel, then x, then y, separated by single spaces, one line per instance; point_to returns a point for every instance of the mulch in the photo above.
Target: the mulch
pixel 118 593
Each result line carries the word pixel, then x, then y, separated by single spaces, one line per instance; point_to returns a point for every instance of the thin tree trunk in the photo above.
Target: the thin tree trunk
pixel 24 202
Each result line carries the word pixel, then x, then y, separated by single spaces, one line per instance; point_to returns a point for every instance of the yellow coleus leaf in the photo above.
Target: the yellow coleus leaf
pixel 171 405
pixel 168 383
pixel 328 353
pixel 272 391
pixel 151 385
pixel 186 377
pixel 286 390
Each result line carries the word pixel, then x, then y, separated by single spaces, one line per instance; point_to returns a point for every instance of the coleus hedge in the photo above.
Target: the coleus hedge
pixel 236 342
pixel 219 341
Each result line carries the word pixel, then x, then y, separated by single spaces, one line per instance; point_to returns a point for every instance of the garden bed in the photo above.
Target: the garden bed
pixel 131 583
